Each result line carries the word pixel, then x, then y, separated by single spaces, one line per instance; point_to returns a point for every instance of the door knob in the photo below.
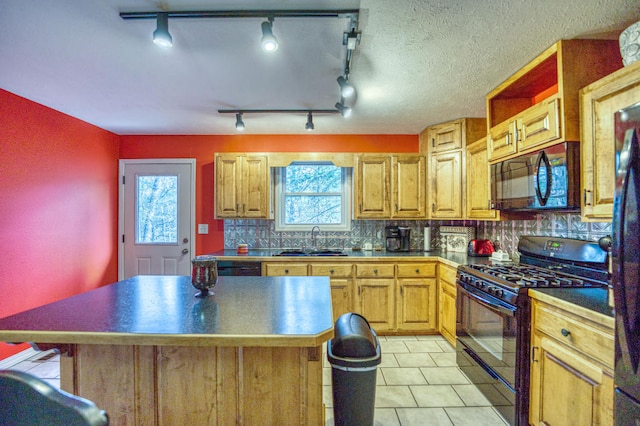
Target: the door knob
pixel 185 251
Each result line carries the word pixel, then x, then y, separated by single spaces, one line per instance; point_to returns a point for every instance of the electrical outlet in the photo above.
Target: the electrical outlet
pixel 203 228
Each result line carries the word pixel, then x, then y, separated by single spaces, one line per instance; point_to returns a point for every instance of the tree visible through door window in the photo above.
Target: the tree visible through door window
pixel 311 194
pixel 156 209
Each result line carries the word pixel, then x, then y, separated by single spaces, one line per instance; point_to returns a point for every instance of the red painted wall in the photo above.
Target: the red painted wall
pixel 202 149
pixel 58 206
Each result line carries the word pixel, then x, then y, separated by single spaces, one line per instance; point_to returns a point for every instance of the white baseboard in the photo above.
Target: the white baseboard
pixel 17 358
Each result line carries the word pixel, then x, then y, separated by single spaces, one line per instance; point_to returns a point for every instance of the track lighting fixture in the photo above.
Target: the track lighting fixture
pixel 309 126
pixel 269 41
pixel 161 35
pixel 343 109
pixel 346 89
pixel 239 122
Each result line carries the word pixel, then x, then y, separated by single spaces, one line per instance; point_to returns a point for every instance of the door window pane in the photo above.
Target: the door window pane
pixel 156 209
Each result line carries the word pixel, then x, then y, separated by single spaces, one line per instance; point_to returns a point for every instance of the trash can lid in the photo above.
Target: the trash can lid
pixel 354 338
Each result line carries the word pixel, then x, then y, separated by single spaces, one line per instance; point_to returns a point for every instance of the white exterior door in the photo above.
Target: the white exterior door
pixel 156 217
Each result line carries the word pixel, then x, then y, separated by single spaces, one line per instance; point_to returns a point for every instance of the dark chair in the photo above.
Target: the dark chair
pixel 28 400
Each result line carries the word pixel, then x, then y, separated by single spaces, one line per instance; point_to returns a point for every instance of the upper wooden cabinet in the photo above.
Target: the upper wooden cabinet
pixel 599 102
pixel 242 186
pixel 538 106
pixel 478 192
pixel 445 143
pixel 390 186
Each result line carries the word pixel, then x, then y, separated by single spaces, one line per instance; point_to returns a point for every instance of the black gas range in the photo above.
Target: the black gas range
pixel 493 331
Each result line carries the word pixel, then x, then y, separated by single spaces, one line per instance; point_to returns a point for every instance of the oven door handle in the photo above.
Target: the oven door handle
pixel 487 303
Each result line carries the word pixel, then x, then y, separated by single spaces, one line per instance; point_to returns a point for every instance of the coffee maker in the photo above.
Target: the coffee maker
pixel 398 238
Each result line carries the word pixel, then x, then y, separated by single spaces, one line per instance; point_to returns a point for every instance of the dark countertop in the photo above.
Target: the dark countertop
pixel 265 255
pixel 593 299
pixel 161 310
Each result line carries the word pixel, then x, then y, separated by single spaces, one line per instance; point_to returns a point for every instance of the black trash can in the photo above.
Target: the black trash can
pixel 354 355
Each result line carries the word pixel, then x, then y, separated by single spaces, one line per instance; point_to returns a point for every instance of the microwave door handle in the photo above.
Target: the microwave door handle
pixel 627 301
pixel 543 158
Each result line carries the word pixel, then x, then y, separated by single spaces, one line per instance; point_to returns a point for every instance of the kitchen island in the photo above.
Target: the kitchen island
pixel 149 352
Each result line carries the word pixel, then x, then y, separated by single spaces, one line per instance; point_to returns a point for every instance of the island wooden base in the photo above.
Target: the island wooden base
pixel 203 385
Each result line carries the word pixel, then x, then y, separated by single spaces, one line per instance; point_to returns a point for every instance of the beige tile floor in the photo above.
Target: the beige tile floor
pixel 418 383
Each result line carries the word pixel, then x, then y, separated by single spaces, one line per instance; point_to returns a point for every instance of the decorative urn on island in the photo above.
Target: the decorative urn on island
pixel 204 275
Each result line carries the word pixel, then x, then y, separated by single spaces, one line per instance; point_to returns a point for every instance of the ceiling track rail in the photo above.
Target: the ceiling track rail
pixel 342 13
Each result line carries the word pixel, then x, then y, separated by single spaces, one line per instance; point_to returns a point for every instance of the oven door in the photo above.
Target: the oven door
pixel 486 346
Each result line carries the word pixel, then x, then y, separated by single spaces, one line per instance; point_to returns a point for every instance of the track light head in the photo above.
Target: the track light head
pixel 309 126
pixel 346 89
pixel 344 110
pixel 161 35
pixel 269 41
pixel 239 122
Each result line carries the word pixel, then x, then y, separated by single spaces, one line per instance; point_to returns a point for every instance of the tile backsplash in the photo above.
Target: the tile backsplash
pixel 261 233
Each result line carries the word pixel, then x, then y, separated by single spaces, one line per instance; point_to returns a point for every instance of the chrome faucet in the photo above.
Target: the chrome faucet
pixel 313 235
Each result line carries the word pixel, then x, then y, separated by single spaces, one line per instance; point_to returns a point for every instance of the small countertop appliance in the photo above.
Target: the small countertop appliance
pixel 398 238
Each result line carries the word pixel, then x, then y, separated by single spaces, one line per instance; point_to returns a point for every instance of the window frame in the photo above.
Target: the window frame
pixel 280 199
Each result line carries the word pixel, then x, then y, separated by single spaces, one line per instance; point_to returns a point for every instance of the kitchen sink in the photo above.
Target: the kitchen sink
pixel 327 252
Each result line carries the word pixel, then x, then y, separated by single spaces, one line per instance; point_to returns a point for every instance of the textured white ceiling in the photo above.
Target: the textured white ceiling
pixel 420 62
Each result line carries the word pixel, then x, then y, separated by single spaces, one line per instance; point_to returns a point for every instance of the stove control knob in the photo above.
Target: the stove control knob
pixel 499 292
pixel 490 289
pixel 481 284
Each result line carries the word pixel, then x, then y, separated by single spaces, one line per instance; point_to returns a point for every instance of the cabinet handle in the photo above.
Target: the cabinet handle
pixel 358 290
pixel 331 271
pixel 433 208
pixel 375 271
pixel 433 142
pixel 507 138
pixel 286 271
pixel 237 208
pixel 584 197
pixel 401 292
pixel 533 354
pixel 243 208
pixel 565 332
pixel 417 271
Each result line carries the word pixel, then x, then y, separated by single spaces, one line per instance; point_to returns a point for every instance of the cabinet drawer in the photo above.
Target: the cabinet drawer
pixel 572 331
pixel 410 270
pixel 448 274
pixel 539 124
pixel 280 269
pixel 375 270
pixel 332 270
pixel 501 140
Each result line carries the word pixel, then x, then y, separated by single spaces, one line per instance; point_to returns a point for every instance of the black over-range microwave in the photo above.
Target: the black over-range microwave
pixel 548 179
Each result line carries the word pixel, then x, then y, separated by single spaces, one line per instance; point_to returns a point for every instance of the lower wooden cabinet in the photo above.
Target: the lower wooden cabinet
pixel 375 295
pixel 341 277
pixel 417 297
pixel 395 297
pixel 447 302
pixel 571 368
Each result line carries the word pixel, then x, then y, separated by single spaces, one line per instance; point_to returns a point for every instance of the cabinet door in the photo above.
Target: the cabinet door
pixel 478 191
pixel 341 275
pixel 446 189
pixel 376 302
pixel 448 312
pixel 445 137
pixel 341 297
pixel 373 186
pixel 566 388
pixel 501 140
pixel 599 102
pixel 409 183
pixel 228 176
pixel 538 124
pixel 417 309
pixel 255 187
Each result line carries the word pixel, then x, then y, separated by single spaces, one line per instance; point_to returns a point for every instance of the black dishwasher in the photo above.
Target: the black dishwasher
pixel 242 268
